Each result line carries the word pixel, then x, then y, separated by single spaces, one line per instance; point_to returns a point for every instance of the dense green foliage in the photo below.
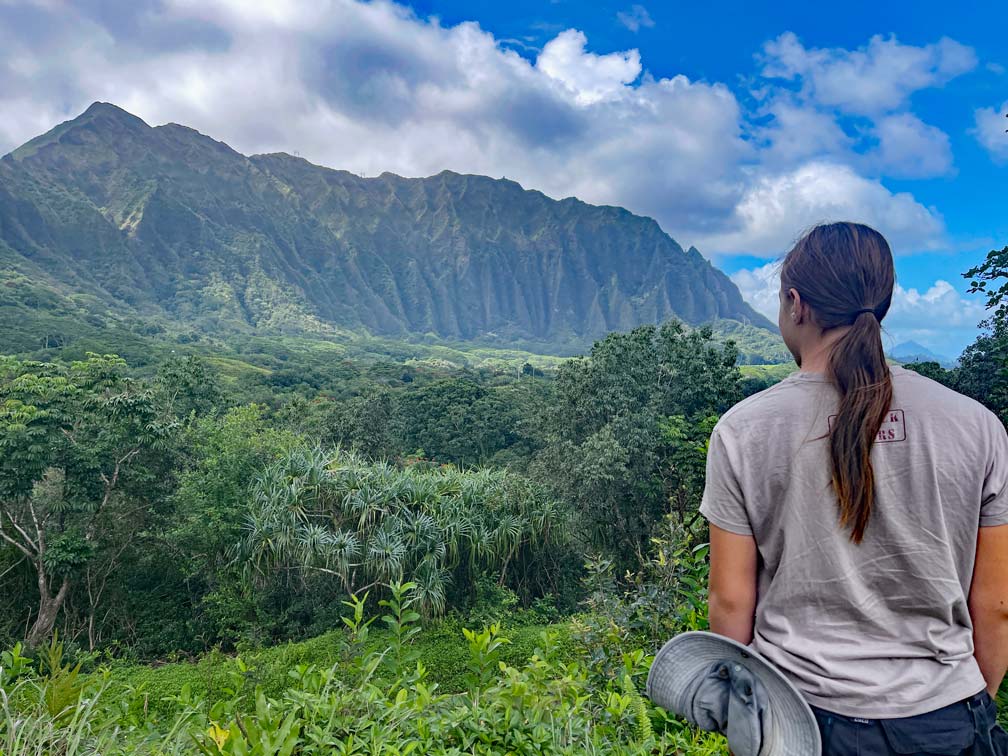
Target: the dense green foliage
pixel 84 451
pixel 375 699
pixel 628 427
pixel 364 524
pixel 219 508
pixel 325 552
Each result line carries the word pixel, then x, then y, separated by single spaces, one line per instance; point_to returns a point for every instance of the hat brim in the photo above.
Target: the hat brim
pixel 791 729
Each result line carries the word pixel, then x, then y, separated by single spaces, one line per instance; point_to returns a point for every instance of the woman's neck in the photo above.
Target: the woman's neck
pixel 815 355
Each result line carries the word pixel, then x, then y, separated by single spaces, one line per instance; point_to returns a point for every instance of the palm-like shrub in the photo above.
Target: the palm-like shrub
pixel 367 523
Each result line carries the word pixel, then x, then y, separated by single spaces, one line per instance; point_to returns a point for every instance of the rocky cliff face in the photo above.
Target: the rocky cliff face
pixel 169 222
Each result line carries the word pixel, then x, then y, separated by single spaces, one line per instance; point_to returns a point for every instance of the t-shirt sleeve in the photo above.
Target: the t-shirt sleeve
pixel 994 504
pixel 723 503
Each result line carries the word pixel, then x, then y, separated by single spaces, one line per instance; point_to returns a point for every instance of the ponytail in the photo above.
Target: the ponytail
pixel 845 273
pixel 858 369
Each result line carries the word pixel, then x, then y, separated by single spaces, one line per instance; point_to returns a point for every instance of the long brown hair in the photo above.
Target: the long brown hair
pixel 845 273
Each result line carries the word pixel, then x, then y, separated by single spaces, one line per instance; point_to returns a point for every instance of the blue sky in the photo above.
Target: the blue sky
pixel 734 128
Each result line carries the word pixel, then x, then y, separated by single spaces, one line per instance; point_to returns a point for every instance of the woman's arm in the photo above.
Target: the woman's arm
pixel 732 600
pixel 988 604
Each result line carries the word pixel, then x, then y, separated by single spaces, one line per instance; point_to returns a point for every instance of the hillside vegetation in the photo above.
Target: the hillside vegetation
pixel 108 221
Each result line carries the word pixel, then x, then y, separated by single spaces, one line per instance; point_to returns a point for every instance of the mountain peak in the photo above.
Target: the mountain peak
pixel 108 116
pixel 102 117
pixel 108 109
pixel 910 346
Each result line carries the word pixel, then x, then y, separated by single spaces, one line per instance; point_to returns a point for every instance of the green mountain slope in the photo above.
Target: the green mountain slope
pixel 167 225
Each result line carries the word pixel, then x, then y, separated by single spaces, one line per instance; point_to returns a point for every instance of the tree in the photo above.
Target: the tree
pixel 457 420
pixel 77 446
pixel 932 370
pixel 367 523
pixel 189 386
pixel 983 368
pixel 208 511
pixel 626 431
pixel 365 422
pixel 994 268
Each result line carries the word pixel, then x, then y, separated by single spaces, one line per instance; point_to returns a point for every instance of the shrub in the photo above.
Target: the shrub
pixel 375 699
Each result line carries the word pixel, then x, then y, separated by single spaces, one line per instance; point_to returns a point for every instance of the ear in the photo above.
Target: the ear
pixel 797 309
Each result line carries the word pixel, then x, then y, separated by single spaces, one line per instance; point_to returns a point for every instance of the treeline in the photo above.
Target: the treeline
pixel 189 509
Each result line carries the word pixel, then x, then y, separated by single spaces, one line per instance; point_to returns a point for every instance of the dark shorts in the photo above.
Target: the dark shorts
pixel 967 728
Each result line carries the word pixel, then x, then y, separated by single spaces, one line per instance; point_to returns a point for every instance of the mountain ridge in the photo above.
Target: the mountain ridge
pixel 170 222
pixel 912 351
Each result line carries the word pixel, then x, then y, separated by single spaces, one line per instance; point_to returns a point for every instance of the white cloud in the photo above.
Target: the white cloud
pixel 851 106
pixel 635 18
pixel 760 287
pixel 940 318
pixel 590 78
pixel 939 305
pixel 372 87
pixel 910 148
pixel 990 130
pixel 777 208
pixel 798 133
pixel 873 79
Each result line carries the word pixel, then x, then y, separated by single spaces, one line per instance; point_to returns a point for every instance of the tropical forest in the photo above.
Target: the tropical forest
pixel 299 461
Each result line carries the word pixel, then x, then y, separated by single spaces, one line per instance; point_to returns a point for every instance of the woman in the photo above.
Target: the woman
pixel 859 521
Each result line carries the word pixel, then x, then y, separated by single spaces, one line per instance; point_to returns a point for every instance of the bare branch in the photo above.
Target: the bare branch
pixel 17 544
pixel 32 544
pixel 109 487
pixel 38 528
pixel 128 456
pixel 13 566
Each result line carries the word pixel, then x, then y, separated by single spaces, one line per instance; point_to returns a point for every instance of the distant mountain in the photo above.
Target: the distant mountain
pixel 168 225
pixel 911 351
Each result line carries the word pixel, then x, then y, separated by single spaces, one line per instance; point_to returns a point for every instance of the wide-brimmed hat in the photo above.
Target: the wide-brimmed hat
pixel 788 729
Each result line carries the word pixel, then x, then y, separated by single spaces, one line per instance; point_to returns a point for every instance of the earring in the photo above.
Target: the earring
pixel 794 316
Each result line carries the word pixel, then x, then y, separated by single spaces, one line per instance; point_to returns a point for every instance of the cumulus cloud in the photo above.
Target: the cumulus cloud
pixel 760 287
pixel 990 130
pixel 910 148
pixel 876 78
pixel 776 208
pixel 797 133
pixel 851 106
pixel 372 87
pixel 635 18
pixel 590 78
pixel 939 317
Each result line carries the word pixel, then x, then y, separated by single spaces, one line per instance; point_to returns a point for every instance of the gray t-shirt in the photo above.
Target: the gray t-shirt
pixel 879 629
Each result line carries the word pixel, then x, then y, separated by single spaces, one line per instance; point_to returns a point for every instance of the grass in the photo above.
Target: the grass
pixel 514 699
pixel 441 647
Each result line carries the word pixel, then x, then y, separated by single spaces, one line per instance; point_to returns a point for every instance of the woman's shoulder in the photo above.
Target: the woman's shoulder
pixel 911 386
pixel 777 400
